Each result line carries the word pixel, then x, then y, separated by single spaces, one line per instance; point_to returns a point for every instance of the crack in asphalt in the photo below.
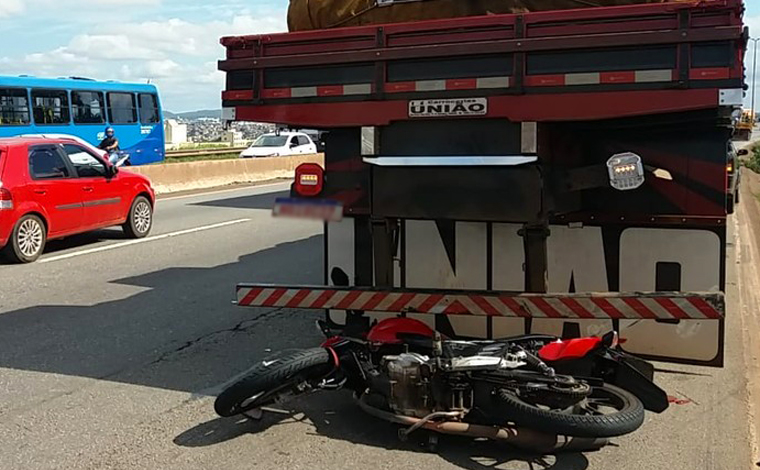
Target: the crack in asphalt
pixel 242 326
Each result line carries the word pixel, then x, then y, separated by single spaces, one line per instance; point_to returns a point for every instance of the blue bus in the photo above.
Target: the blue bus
pixel 84 108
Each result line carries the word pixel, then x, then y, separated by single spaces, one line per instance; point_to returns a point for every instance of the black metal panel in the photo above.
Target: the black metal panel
pixel 347 179
pixel 363 251
pixel 240 80
pixel 460 193
pixel 713 54
pixel 668 277
pixel 287 77
pixel 437 69
pixel 451 137
pixel 602 60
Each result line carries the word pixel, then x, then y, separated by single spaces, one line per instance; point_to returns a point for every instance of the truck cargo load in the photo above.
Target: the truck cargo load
pixel 307 15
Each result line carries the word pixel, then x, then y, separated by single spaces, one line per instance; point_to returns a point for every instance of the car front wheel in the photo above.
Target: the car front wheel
pixel 27 240
pixel 140 219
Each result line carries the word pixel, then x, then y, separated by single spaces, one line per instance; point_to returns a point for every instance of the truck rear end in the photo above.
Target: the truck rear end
pixel 551 172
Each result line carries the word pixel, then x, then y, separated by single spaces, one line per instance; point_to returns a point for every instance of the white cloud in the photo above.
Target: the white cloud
pixel 161 68
pixel 111 47
pixel 10 7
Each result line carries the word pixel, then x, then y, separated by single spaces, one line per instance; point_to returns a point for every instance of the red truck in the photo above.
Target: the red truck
pixel 557 172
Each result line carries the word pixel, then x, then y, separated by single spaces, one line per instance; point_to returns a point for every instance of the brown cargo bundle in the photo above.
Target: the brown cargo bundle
pixel 321 14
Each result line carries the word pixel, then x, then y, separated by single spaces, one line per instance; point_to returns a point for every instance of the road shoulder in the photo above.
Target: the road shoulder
pixel 747 220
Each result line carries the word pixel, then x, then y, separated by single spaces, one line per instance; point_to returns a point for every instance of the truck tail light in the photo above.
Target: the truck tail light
pixel 6 199
pixel 309 179
pixel 626 171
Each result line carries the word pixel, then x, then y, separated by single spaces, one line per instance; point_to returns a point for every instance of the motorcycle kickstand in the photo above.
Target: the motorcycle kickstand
pixel 255 414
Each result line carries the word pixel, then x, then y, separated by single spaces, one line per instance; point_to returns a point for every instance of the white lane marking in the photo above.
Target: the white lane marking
pixel 222 191
pixel 143 240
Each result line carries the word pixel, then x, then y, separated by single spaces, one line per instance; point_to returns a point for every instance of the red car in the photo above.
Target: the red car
pixel 55 187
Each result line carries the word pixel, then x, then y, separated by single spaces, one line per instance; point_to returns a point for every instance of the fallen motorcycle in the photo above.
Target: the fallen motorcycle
pixel 525 390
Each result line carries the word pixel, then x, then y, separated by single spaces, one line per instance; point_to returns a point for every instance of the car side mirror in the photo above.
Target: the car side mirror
pixel 742 152
pixel 293 145
pixel 112 170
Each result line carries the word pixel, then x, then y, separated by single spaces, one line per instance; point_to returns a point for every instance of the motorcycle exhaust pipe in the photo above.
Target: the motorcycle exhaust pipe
pixel 525 439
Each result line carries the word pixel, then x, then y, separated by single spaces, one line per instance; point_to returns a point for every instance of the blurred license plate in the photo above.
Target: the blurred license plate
pixel 319 209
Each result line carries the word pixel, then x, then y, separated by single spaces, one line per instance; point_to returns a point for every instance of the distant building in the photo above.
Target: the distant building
pixel 176 133
pixel 233 137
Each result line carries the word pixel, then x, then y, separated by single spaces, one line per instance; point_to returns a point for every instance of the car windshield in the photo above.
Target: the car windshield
pixel 270 141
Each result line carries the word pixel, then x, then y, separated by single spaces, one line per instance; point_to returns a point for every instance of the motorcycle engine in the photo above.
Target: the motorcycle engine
pixel 409 376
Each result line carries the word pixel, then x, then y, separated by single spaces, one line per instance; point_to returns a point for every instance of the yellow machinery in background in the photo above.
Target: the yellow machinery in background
pixel 745 125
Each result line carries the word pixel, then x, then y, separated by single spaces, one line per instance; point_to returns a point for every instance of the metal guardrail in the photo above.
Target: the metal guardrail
pixel 196 152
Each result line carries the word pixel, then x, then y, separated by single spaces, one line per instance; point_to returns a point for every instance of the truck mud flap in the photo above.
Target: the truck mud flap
pixel 621 259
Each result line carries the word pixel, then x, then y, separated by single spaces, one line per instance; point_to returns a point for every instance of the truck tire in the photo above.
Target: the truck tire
pixel 272 377
pixel 628 416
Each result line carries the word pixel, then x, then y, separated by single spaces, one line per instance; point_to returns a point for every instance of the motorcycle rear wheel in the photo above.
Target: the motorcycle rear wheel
pixel 585 420
pixel 272 378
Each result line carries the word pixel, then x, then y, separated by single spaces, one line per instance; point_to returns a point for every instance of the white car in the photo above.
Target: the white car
pixel 282 145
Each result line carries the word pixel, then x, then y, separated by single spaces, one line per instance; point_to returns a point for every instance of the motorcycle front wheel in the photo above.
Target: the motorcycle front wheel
pixel 284 374
pixel 608 411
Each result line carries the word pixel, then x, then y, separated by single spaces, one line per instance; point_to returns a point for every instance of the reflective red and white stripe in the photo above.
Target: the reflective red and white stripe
pixel 318 91
pixel 577 306
pixel 484 83
pixel 601 78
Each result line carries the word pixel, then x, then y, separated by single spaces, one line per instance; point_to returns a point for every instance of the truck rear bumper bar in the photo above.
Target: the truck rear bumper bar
pixel 652 306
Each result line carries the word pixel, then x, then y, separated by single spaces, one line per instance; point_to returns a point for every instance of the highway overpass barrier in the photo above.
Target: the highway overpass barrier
pixel 175 177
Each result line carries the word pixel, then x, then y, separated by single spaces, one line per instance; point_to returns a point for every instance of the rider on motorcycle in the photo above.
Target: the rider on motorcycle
pixel 110 144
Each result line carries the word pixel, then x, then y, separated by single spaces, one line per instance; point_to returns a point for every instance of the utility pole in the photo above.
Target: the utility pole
pixel 754 77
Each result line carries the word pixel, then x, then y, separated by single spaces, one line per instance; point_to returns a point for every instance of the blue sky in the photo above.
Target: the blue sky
pixel 753 20
pixel 174 43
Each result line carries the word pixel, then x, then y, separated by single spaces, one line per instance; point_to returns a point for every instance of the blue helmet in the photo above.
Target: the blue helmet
pixel 109 132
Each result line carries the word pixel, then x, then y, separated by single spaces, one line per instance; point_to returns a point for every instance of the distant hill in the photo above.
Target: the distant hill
pixel 192 115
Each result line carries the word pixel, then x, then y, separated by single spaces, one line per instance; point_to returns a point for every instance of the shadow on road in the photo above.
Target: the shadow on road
pixel 341 419
pixel 663 370
pixel 258 201
pixel 141 338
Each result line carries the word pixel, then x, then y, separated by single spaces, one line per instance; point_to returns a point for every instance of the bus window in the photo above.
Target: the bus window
pixel 121 108
pixel 14 107
pixel 149 109
pixel 50 107
pixel 88 107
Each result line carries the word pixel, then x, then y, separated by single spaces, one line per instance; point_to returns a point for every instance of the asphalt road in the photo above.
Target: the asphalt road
pixel 111 353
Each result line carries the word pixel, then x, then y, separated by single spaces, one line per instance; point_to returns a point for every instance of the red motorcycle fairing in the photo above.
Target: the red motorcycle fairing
pixel 331 341
pixel 568 349
pixel 387 331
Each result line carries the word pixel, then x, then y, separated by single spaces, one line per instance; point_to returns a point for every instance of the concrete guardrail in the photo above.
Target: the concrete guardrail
pixel 212 151
pixel 174 177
